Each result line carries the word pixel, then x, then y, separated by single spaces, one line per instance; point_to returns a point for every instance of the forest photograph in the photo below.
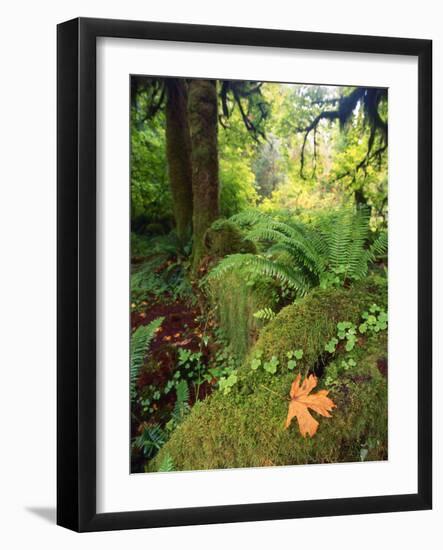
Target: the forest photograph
pixel 259 274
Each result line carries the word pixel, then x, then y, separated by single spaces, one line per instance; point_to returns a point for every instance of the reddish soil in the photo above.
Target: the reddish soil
pixel 182 327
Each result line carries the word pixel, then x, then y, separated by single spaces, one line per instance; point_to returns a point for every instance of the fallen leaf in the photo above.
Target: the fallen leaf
pixel 301 401
pixel 184 342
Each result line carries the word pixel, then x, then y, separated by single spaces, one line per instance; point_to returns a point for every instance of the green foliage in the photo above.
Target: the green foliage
pixel 256 362
pixel 331 253
pixel 140 245
pixel 190 364
pixel 223 363
pixel 347 331
pixel 226 383
pixel 347 234
pixel 164 271
pixel 167 464
pixel 374 320
pixel 151 440
pixel 152 436
pixel 150 192
pixel 181 406
pixel 261 265
pixel 236 151
pixel 331 345
pixel 293 357
pixel 265 314
pixel 271 365
pixel 140 341
pixel 245 428
pixel 336 371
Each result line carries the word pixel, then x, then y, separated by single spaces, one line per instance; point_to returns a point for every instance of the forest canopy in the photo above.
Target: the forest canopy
pixel 279 145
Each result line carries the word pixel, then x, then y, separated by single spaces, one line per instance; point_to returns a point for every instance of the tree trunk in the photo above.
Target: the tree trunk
pixel 178 150
pixel 202 109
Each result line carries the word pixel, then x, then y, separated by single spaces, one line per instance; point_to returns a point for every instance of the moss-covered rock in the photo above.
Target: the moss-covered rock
pixel 246 427
pixel 311 321
pixel 225 237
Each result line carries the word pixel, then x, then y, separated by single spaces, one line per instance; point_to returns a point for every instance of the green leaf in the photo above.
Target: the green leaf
pixel 350 345
pixel 255 364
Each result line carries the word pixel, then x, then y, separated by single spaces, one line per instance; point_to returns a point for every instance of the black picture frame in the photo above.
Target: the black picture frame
pixel 76 265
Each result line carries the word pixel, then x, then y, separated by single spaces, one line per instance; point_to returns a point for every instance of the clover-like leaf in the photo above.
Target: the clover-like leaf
pixel 292 364
pixel 350 344
pixel 255 363
pixel 298 353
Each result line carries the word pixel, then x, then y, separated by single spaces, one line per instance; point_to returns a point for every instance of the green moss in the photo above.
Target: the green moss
pixel 311 321
pixel 234 299
pixel 235 304
pixel 224 238
pixel 246 427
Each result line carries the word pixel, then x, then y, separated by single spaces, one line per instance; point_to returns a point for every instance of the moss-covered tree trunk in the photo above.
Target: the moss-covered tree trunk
pixel 202 108
pixel 178 150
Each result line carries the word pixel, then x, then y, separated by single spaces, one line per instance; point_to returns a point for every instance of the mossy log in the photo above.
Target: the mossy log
pixel 246 427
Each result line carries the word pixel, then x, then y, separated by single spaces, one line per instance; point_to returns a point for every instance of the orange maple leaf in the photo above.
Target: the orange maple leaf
pixel 301 401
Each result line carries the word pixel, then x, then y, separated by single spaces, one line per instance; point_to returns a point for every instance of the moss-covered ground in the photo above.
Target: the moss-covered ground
pixel 245 428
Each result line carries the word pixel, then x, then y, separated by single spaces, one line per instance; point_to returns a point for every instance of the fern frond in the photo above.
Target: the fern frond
pixel 335 248
pixel 151 440
pixel 140 341
pixel 181 407
pixel 265 314
pixel 346 234
pixel 380 246
pixel 249 217
pixel 260 265
pixel 167 464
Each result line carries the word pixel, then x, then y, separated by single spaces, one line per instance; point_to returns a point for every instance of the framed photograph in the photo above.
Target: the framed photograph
pixel 244 274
